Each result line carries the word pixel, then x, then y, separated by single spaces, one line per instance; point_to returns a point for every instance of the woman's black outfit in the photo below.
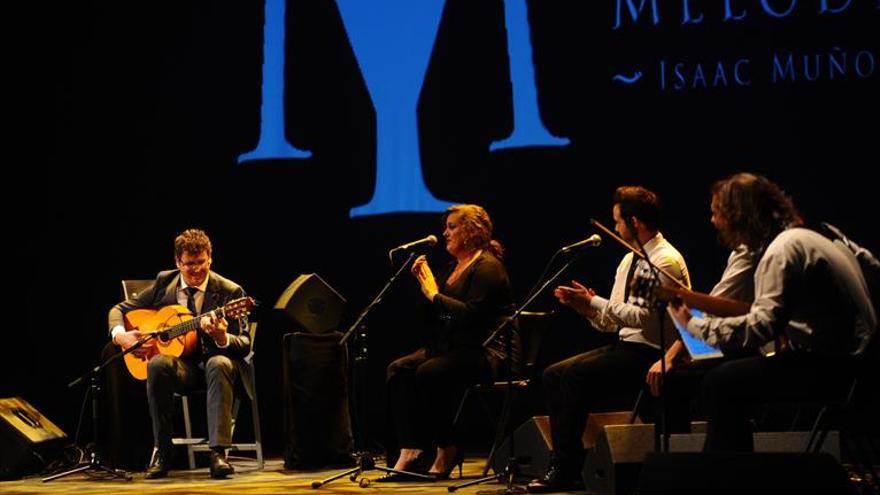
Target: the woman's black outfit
pixel 425 387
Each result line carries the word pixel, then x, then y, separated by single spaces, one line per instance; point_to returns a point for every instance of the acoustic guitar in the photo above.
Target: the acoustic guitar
pixel 714 305
pixel 646 286
pixel 649 291
pixel 176 324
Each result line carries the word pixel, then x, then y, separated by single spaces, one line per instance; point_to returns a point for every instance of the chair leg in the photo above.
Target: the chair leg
pixel 258 439
pixel 635 412
pixel 817 433
pixel 487 410
pixel 236 404
pixel 460 407
pixel 190 454
pixel 203 445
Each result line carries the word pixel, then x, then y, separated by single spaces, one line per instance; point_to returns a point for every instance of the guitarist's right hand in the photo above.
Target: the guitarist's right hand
pixel 128 339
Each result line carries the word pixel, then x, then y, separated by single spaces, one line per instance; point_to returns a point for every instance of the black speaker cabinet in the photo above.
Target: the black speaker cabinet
pixel 312 305
pixel 317 425
pixel 25 436
pixel 739 473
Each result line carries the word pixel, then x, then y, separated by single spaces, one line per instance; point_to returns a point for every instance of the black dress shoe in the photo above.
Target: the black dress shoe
pixel 220 467
pixel 159 465
pixel 558 478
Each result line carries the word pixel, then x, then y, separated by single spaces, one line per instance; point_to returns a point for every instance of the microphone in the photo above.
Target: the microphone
pixel 427 241
pixel 592 241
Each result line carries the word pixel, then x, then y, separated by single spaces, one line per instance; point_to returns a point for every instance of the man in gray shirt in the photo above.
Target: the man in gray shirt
pixel 807 289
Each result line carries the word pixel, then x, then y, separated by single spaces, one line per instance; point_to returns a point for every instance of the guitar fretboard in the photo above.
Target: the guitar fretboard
pixel 191 324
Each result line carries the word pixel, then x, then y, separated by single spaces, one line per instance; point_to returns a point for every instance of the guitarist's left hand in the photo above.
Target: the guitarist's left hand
pixel 655 376
pixel 655 373
pixel 216 328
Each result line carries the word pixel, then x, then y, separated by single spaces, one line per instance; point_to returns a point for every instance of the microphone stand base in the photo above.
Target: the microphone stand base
pixel 94 465
pixel 365 462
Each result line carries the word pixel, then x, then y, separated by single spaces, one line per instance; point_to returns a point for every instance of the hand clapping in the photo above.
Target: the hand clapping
pixel 577 296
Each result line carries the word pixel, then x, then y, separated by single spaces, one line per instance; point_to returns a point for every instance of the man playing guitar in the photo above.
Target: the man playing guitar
pixel 217 347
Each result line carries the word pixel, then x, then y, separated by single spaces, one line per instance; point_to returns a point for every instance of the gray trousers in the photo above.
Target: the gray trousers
pixel 167 375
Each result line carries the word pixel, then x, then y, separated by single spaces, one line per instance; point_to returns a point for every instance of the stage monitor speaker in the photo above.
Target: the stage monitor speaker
pixel 312 305
pixel 317 425
pixel 612 467
pixel 732 473
pixel 26 438
pixel 533 443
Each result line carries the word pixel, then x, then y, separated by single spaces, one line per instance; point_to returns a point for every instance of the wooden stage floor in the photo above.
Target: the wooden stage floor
pixel 272 479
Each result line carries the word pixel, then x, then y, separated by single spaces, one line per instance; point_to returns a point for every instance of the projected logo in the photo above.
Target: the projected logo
pixel 682 73
pixel 393 41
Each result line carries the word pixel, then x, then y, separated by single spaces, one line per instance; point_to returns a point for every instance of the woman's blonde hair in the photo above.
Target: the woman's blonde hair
pixel 476 227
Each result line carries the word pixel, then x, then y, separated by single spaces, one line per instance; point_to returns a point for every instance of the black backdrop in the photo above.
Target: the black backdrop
pixel 153 102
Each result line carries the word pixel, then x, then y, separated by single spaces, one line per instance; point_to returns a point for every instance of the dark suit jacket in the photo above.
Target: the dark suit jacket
pixel 219 291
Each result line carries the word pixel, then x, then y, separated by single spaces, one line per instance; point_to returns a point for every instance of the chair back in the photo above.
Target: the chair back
pixel 131 289
pixel 250 380
pixel 532 325
pixel 528 333
pixel 252 333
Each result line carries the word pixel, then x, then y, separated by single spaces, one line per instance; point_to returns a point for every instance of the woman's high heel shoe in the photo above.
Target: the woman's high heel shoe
pixel 419 465
pixel 458 461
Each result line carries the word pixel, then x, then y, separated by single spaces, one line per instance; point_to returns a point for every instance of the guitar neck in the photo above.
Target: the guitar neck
pixel 192 324
pixel 718 306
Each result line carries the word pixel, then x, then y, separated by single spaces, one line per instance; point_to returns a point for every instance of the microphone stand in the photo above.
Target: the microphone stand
pixel 95 464
pixel 511 470
pixel 663 444
pixel 364 459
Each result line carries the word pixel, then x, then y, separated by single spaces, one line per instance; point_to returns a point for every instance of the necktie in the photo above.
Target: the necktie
pixel 191 306
pixel 191 299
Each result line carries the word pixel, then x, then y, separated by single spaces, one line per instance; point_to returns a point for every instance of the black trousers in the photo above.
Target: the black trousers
pixel 730 390
pixel 681 389
pixel 600 380
pixel 424 391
